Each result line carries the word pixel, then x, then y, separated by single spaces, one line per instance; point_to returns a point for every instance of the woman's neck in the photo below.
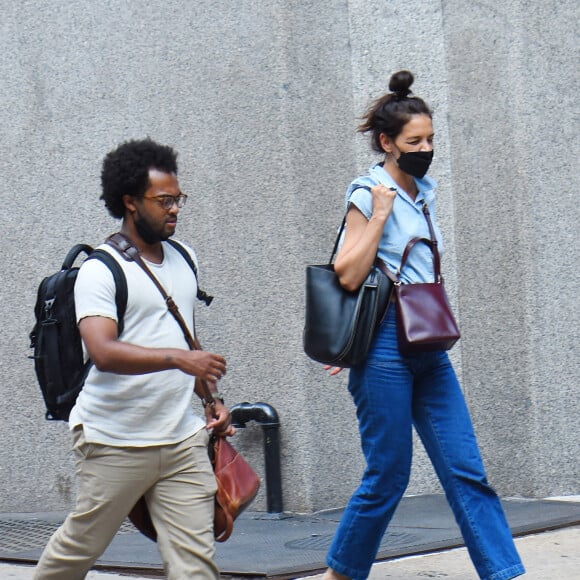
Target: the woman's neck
pixel 405 181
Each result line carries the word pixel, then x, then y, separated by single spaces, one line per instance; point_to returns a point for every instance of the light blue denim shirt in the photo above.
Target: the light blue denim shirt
pixel 405 222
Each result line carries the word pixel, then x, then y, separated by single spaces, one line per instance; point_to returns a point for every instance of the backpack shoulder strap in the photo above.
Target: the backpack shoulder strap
pixel 120 284
pixel 201 295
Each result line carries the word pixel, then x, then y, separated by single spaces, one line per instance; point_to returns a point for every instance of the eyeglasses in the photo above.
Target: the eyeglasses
pixel 168 201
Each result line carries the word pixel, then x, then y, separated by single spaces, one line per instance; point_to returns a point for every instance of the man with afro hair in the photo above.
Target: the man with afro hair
pixel 135 432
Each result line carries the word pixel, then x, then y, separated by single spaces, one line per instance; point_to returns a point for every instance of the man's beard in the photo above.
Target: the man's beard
pixel 147 233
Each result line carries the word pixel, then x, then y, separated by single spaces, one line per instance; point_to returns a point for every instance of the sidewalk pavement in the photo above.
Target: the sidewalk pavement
pixel 548 556
pixel 551 555
pixel 423 542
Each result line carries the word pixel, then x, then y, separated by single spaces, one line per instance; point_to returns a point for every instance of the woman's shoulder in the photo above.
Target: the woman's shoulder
pixel 362 185
pixel 359 194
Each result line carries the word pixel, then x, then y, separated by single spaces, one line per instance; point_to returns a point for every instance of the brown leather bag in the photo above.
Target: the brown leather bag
pixel 237 486
pixel 237 482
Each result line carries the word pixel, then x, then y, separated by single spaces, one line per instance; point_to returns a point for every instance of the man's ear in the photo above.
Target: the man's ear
pixel 129 202
pixel 386 143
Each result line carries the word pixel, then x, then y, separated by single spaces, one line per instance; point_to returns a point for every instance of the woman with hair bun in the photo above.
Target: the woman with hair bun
pixel 394 392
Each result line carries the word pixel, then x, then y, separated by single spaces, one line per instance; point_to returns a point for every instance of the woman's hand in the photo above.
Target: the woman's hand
pixel 383 200
pixel 332 371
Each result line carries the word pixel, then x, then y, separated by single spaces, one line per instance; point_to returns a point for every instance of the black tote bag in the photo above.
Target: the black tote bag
pixel 339 325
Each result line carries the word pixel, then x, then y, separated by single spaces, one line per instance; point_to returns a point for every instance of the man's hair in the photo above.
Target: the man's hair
pixel 126 171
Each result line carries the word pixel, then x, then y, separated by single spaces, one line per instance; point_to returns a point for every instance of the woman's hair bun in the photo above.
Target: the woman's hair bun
pixel 400 83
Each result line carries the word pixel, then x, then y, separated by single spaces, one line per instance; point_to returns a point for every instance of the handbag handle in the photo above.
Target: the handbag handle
pixel 337 239
pixel 432 243
pixel 436 258
pixel 130 252
pixel 342 225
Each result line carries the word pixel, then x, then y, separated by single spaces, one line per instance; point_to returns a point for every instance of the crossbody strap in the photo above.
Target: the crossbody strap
pixel 130 252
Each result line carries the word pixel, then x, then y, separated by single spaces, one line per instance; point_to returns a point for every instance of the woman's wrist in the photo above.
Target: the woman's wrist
pixel 380 218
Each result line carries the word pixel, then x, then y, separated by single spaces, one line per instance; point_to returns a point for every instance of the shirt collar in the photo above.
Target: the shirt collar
pixel 425 185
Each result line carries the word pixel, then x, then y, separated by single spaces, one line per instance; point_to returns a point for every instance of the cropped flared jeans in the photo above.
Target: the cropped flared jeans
pixel 392 393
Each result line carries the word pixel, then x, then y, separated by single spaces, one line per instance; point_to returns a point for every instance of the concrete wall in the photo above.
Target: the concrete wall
pixel 261 99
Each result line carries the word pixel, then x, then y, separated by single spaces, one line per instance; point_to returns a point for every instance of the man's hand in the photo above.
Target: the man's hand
pixel 219 418
pixel 205 365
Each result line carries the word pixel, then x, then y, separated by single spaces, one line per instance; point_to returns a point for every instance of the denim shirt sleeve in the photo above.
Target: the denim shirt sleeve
pixel 363 200
pixel 405 222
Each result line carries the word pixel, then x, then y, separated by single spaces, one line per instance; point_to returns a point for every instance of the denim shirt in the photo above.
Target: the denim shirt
pixel 405 222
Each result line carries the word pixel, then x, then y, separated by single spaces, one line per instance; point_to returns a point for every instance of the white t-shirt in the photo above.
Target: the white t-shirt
pixel 138 410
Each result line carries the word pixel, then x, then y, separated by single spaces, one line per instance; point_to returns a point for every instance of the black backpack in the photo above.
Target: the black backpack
pixel 58 354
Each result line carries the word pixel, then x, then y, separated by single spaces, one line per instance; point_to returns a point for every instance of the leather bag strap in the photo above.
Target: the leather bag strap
pixel 130 252
pixel 342 225
pixel 436 260
pixel 432 243
pixel 340 230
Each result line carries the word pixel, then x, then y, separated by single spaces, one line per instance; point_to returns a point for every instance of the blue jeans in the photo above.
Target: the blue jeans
pixel 392 393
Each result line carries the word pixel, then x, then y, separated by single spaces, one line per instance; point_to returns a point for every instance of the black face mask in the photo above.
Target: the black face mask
pixel 146 232
pixel 415 163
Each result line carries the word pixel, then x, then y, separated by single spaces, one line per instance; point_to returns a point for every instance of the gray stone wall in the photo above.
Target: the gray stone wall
pixel 261 100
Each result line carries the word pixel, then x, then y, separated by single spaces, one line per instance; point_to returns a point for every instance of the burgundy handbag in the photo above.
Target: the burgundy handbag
pixel 424 318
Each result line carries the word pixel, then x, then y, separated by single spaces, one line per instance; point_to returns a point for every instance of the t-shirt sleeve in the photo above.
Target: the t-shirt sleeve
pixel 363 200
pixel 95 291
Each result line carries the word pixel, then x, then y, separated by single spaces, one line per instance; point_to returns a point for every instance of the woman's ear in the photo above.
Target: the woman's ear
pixel 386 143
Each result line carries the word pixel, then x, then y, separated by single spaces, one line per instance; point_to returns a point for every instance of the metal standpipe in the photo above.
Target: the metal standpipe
pixel 267 417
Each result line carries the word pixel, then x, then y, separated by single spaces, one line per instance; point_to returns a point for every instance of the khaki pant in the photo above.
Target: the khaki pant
pixel 179 486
